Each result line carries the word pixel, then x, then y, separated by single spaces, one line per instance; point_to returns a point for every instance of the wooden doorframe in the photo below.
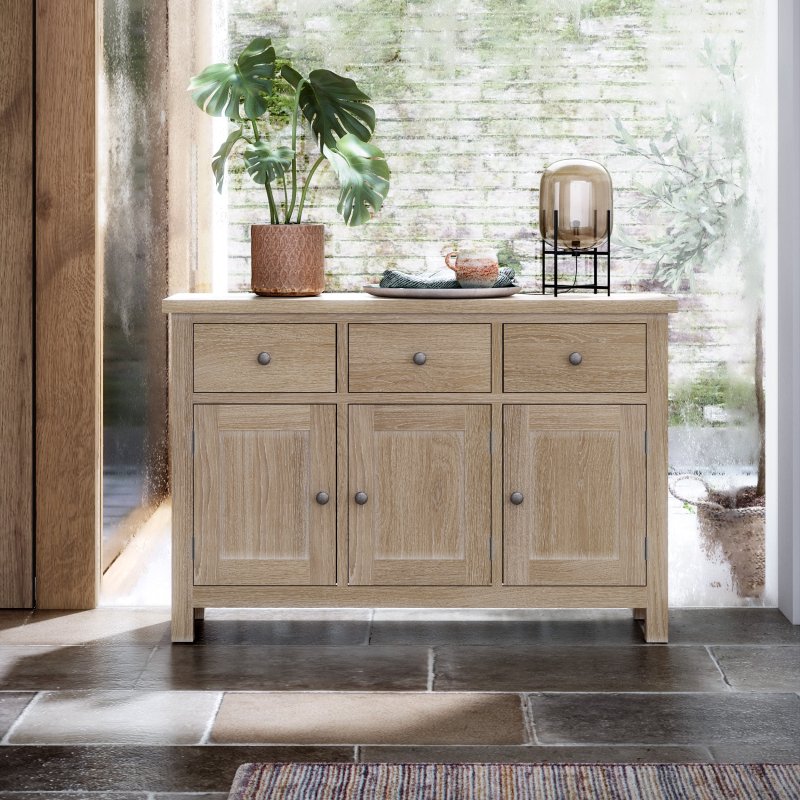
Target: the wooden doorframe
pixel 68 308
pixel 16 305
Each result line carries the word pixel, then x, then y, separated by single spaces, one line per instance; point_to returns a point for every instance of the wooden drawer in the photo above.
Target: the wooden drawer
pixel 301 358
pixel 613 357
pixel 457 357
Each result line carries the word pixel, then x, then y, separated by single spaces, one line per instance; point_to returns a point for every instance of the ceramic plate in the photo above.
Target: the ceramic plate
pixel 442 294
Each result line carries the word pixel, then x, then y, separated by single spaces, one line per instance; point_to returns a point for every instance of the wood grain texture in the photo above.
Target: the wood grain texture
pixel 403 448
pixel 415 398
pixel 180 437
pixel 302 358
pixel 427 474
pixel 257 472
pixel 656 626
pixel 536 357
pixel 458 358
pixel 420 596
pixel 582 519
pixel 16 273
pixel 360 303
pixel 68 309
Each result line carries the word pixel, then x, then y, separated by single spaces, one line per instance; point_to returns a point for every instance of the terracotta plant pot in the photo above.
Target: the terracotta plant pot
pixel 287 260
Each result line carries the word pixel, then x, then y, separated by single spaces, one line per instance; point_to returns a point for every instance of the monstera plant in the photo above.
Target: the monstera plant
pixel 254 93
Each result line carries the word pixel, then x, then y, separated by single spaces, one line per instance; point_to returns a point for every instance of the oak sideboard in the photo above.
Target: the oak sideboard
pixel 347 450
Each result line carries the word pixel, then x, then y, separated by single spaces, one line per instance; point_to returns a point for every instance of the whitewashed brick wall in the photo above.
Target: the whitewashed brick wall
pixel 474 98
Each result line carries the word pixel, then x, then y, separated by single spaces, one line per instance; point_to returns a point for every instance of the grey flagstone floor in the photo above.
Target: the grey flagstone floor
pixel 99 704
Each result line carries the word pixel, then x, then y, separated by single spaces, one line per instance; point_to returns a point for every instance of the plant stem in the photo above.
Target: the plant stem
pixel 294 147
pixel 305 188
pixel 273 211
pixel 285 200
pixel 255 130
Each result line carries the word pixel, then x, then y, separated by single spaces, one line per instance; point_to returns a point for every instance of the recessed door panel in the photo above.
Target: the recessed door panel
pixel 574 486
pixel 422 475
pixel 258 471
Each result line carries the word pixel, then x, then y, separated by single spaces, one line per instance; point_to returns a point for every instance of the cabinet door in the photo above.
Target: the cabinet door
pixel 257 473
pixel 426 474
pixel 580 471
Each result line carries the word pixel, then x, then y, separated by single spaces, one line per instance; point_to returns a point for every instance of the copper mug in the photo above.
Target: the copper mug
pixel 475 269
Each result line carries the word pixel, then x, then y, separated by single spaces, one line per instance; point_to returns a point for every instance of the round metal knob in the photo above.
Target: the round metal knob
pixel 322 498
pixel 264 359
pixel 361 498
pixel 420 358
pixel 575 359
pixel 517 498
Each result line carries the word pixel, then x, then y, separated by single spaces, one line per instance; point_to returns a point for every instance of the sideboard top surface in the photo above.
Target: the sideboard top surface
pixel 362 303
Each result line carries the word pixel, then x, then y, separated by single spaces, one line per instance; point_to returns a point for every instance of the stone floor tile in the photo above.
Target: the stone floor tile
pixel 694 719
pixel 760 669
pixel 290 614
pixel 369 718
pixel 12 704
pixel 286 668
pixel 506 629
pixel 12 618
pixel 100 625
pixel 731 626
pixel 130 768
pixel 92 666
pixel 745 753
pixel 117 717
pixel 192 796
pixel 425 615
pixel 299 627
pixel 576 669
pixel 78 796
pixel 537 754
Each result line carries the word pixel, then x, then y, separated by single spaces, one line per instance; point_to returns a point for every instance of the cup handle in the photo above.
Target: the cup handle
pixel 447 260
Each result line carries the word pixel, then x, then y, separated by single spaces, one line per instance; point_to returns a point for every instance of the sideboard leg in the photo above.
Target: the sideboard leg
pixel 640 613
pixel 656 623
pixel 182 624
pixel 199 613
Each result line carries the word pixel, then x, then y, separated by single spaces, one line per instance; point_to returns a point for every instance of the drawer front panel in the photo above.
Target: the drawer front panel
pixel 242 357
pixel 408 357
pixel 575 357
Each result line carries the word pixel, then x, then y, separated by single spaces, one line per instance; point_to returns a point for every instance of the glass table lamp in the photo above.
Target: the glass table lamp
pixel 575 206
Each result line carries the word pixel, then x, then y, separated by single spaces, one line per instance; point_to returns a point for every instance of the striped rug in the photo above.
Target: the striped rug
pixel 516 782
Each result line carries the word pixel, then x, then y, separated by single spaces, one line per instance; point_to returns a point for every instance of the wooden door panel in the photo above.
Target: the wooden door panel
pixel 581 471
pixel 258 470
pixel 426 471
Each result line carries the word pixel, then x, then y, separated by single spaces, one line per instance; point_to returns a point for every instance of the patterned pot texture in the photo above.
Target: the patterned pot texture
pixel 287 260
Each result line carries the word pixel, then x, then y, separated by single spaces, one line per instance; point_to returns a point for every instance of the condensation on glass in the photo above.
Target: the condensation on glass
pixel 132 215
pixel 575 194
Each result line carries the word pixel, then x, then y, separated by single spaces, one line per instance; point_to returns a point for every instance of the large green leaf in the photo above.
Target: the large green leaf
pixel 265 164
pixel 333 105
pixel 221 156
pixel 363 178
pixel 221 89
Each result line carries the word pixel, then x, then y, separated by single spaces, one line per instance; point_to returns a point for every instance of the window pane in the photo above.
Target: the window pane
pixel 133 216
pixel 475 98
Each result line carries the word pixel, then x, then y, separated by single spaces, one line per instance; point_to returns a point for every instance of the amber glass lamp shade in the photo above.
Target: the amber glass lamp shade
pixel 580 191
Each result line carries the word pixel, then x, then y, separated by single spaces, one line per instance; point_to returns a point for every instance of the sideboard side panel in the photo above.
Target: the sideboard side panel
pixel 180 432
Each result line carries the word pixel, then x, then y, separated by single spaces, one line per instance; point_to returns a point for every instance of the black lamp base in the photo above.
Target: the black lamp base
pixel 555 251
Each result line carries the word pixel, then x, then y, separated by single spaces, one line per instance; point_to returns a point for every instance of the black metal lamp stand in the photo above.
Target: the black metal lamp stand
pixel 555 252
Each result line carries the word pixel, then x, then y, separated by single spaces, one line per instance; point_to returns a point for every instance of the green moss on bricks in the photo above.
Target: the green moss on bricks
pixel 614 8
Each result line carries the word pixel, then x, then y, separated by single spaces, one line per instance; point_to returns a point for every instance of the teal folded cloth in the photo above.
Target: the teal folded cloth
pixel 394 279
